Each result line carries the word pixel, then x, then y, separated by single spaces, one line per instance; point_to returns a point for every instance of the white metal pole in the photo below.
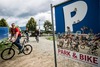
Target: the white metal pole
pixel 39 24
pixel 55 58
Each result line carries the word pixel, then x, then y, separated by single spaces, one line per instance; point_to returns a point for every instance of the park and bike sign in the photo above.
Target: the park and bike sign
pixel 76 14
pixel 80 57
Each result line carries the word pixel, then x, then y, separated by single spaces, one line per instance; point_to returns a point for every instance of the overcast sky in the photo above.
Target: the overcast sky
pixel 20 11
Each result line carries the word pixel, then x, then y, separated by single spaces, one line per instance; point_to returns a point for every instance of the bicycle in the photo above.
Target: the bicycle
pixel 74 47
pixel 9 53
pixel 92 50
pixel 82 45
pixel 25 41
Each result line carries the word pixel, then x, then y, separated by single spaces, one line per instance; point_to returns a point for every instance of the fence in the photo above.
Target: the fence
pixel 3 32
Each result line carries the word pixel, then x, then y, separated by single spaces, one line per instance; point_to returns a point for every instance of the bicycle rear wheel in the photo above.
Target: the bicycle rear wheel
pixel 27 49
pixel 7 53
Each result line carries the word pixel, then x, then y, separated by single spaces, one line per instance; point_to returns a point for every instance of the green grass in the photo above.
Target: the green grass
pixel 2 47
pixel 2 44
pixel 50 38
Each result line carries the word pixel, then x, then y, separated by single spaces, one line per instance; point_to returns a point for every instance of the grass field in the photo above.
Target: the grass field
pixel 50 38
pixel 3 44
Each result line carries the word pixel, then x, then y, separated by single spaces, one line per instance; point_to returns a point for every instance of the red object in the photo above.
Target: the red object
pixel 14 30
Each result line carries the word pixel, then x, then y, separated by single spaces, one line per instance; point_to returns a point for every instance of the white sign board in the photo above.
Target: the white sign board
pixel 93 60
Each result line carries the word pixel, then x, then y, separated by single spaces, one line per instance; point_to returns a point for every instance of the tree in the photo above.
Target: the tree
pixel 3 23
pixel 47 26
pixel 31 25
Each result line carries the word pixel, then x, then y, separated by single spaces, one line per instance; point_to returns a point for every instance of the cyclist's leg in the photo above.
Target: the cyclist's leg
pixel 35 37
pixel 17 43
pixel 38 38
pixel 19 40
pixel 27 37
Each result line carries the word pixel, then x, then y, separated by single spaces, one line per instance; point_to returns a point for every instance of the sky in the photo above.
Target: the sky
pixel 20 11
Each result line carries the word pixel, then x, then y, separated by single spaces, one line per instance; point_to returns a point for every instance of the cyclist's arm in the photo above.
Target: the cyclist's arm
pixel 16 35
pixel 11 37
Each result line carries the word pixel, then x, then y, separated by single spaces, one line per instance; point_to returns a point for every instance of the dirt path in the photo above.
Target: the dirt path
pixel 42 56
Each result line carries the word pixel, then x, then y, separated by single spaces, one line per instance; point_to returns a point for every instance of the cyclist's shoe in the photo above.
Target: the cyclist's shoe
pixel 19 52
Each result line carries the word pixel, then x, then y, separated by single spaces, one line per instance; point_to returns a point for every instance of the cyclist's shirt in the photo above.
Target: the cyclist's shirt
pixel 14 30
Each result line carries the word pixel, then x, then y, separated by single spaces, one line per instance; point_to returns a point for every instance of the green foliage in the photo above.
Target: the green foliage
pixel 31 25
pixel 47 26
pixel 3 23
pixel 4 43
pixel 49 38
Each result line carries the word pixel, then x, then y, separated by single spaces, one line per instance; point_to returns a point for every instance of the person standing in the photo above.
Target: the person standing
pixel 37 35
pixel 15 37
pixel 27 35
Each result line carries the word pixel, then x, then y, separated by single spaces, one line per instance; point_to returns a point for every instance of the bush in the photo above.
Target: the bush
pixel 4 44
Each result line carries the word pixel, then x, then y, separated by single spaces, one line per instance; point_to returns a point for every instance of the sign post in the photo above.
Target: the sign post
pixel 55 58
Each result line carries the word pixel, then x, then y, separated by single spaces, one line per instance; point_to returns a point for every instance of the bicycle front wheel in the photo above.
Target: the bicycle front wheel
pixel 27 49
pixel 7 53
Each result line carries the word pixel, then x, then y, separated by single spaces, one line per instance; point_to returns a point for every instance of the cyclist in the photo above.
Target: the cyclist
pixel 27 35
pixel 37 35
pixel 15 37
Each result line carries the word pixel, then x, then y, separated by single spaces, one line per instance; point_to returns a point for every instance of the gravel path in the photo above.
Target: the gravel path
pixel 41 56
